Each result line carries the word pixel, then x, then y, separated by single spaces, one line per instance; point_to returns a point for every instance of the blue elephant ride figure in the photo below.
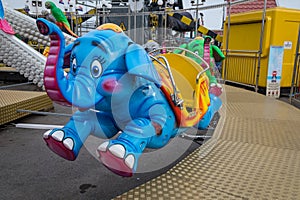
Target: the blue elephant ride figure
pixel 118 92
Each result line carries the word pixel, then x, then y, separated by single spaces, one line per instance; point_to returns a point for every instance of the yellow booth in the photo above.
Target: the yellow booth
pixel 281 29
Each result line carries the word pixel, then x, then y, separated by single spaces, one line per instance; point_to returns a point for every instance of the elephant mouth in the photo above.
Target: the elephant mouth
pixel 84 94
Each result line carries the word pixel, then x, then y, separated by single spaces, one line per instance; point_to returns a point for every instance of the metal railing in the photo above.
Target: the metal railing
pixel 241 67
pixel 295 85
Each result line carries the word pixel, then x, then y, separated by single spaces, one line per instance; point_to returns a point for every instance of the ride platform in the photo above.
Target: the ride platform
pixel 12 100
pixel 254 154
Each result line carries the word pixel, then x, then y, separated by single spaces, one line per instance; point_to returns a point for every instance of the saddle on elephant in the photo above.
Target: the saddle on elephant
pixel 185 86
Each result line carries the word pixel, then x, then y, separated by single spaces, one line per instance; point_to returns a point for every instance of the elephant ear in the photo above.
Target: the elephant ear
pixel 178 51
pixel 138 63
pixel 67 55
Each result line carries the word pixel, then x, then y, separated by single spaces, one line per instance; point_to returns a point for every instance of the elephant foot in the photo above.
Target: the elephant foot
pixel 216 89
pixel 60 145
pixel 117 159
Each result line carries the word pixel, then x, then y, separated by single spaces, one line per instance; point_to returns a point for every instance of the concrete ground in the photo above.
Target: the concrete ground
pixel 29 170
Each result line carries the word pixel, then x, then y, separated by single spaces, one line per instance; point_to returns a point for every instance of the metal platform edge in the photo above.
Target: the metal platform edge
pixel 12 100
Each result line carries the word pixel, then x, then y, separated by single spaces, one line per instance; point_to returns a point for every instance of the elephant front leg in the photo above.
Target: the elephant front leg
pixel 64 142
pixel 121 155
pixel 67 141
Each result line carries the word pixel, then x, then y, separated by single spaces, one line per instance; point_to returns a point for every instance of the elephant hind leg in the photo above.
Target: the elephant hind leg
pixel 121 155
pixel 114 161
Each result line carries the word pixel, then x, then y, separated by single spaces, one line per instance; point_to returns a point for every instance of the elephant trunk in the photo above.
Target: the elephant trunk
pixel 53 72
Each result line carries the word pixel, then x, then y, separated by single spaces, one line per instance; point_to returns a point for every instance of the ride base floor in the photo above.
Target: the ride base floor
pixel 254 154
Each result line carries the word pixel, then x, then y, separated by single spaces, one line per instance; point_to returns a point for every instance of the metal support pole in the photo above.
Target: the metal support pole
pixel 224 17
pixel 227 38
pixel 104 15
pixel 134 22
pixel 36 9
pixel 261 44
pixel 71 15
pixel 295 67
pixel 44 113
pixel 196 24
pixel 160 32
pixel 129 22
pixel 38 126
pixel 165 24
pixel 76 19
pixel 97 16
pixel 143 27
pixel 14 85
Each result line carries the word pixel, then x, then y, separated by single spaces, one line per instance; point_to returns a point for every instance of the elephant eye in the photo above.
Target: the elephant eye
pixel 196 52
pixel 74 66
pixel 96 69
